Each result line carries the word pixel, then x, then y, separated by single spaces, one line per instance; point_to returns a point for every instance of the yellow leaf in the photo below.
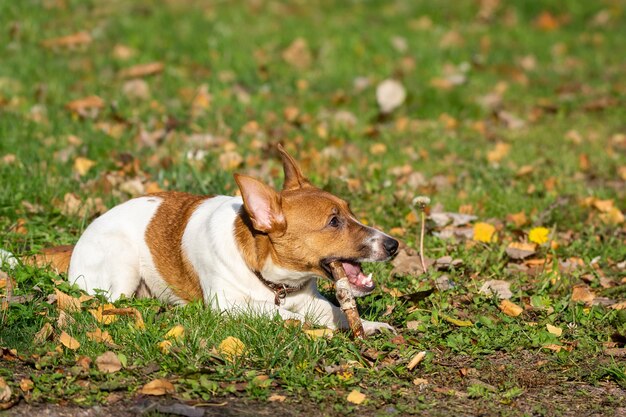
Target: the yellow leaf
pixel 510 309
pixel 157 387
pixel 484 232
pixel 612 217
pixel 317 333
pixel 101 318
pixel 66 302
pixel 83 165
pixel 557 331
pixel 416 360
pixel 518 219
pixel 231 348
pixel 420 381
pixel 498 152
pixel 276 398
pixel 165 347
pixel 100 336
pixel 177 332
pixel 457 322
pixel 68 341
pixel 5 391
pixel 539 235
pixel 356 397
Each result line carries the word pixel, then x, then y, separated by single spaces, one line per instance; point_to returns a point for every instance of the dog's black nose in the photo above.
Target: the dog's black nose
pixel 390 245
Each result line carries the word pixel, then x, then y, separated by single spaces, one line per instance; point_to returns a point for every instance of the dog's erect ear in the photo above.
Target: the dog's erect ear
pixel 262 203
pixel 293 175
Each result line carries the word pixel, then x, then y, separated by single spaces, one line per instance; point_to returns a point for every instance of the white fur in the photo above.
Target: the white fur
pixel 112 256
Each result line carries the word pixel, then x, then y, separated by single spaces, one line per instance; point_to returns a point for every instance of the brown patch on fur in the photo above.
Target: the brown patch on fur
pixel 164 237
pixel 254 246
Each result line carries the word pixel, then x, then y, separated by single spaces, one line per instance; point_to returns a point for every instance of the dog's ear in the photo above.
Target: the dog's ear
pixel 262 203
pixel 293 175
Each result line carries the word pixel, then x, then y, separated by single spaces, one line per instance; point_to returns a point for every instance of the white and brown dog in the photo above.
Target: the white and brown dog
pixel 261 252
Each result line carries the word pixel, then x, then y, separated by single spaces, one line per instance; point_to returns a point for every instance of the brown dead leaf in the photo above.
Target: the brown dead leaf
pixel 518 219
pixel 407 262
pixel 554 347
pixel 69 41
pixel 65 320
pixel 230 160
pixel 557 331
pixel 84 362
pixel 108 362
pixel 502 289
pixel 136 89
pixel 158 387
pixel 56 258
pixel 66 302
pixel 298 54
pixel 83 165
pixel 5 391
pixel 142 70
pixel 127 311
pixel 510 309
pixel 68 341
pixel 122 52
pixel 520 250
pixel 276 398
pixel 86 107
pixel 43 334
pixel 547 22
pixel 26 384
pixel 100 336
pixel 582 293
pixel 619 306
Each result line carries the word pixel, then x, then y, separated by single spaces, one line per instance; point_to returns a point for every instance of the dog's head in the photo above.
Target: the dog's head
pixel 308 228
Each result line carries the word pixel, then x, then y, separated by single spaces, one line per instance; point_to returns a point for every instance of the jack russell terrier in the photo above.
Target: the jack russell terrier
pixel 261 252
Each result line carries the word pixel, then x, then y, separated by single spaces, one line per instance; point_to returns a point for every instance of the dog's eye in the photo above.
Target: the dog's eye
pixel 334 221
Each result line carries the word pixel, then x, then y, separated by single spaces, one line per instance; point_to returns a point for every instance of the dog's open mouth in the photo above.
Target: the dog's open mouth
pixel 361 284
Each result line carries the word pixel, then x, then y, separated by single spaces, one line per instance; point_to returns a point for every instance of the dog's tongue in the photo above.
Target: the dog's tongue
pixel 356 276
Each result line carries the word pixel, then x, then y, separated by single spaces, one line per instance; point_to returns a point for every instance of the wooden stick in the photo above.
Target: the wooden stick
pixel 346 299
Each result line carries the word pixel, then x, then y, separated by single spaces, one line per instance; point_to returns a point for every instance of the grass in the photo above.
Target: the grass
pixel 225 77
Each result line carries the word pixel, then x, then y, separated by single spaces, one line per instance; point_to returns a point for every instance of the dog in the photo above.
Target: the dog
pixel 261 252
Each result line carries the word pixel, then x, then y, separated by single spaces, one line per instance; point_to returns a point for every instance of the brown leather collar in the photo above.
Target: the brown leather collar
pixel 280 290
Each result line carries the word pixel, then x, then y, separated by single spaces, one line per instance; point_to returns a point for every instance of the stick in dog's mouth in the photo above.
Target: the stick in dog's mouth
pixel 360 283
pixel 345 297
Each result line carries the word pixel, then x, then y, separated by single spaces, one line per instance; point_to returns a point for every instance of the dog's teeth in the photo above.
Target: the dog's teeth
pixel 369 277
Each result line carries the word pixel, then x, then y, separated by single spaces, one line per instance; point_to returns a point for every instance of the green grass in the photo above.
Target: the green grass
pixel 235 50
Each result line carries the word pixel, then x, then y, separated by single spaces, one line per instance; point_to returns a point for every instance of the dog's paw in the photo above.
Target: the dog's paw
pixel 371 327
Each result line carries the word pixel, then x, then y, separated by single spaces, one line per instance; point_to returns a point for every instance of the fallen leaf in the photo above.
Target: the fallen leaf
pixel 66 302
pixel 165 346
pixel 390 94
pixel 5 391
pixel 484 232
pixel 520 250
pixel 127 311
pixel 298 54
pixel 518 219
pixel 539 235
pixel 510 309
pixel 68 341
pixel 122 52
pixel 43 334
pixel 547 22
pixel 356 397
pixel 498 152
pixel 230 160
pixel 84 362
pixel 582 293
pixel 136 89
pixel 157 387
pixel 276 398
pixel 457 322
pixel 420 381
pixel 108 362
pixel 619 306
pixel 100 317
pixel 177 332
pixel 26 384
pixel 613 217
pixel 415 360
pixel 318 333
pixel 502 289
pixel 83 165
pixel 87 106
pixel 557 331
pixel 100 336
pixel 57 258
pixel 231 348
pixel 65 320
pixel 69 41
pixel 554 347
pixel 142 70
